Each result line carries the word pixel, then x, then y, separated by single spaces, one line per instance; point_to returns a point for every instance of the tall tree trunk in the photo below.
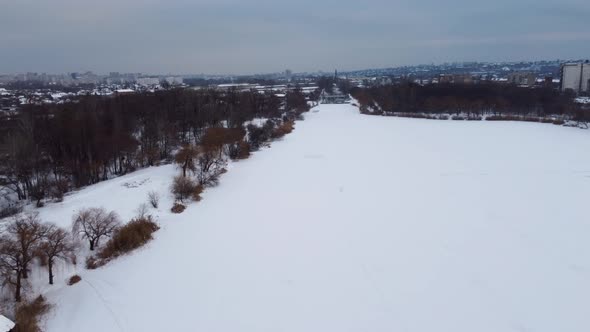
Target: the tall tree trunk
pixel 17 296
pixel 50 267
pixel 25 272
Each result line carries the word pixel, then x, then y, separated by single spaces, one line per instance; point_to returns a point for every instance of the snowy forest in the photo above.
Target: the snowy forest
pixel 50 149
pixel 470 99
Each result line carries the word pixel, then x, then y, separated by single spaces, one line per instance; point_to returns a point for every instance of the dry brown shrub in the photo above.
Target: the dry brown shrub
pixel 411 115
pixel 524 118
pixel 558 122
pixel 218 136
pixel 240 150
pixel 133 235
pixel 182 187
pixel 92 263
pixel 74 280
pixel 244 150
pixel 58 188
pixel 502 118
pixel 197 193
pixel 178 208
pixel 29 314
pixel 284 129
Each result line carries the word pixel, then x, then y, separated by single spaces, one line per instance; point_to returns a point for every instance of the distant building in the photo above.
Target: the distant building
pixel 124 92
pixel 336 97
pixel 174 80
pixel 575 76
pixel 147 81
pixel 456 78
pixel 522 78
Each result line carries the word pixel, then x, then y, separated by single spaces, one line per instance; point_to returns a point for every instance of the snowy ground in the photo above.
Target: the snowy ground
pixel 357 223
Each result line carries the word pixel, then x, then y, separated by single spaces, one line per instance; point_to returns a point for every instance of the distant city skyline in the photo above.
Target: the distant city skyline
pixel 232 37
pixel 291 72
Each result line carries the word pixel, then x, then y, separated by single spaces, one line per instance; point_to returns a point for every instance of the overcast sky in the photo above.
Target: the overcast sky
pixel 241 36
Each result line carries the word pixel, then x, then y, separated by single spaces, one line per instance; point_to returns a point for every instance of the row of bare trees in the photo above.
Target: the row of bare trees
pixel 480 99
pixel 202 163
pixel 49 149
pixel 206 160
pixel 26 238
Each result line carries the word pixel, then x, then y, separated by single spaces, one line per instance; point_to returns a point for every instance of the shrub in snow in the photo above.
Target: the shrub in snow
pixel 154 199
pixel 558 122
pixel 58 188
pixel 38 192
pixel 127 238
pixel 142 210
pixel 197 193
pixel 133 235
pixel 240 150
pixel 94 224
pixel 283 129
pixel 92 263
pixel 510 117
pixel 258 135
pixel 28 315
pixel 10 209
pixel 74 280
pixel 182 187
pixel 178 208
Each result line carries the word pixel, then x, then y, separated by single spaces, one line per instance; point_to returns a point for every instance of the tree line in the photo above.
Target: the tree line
pixel 49 149
pixel 477 99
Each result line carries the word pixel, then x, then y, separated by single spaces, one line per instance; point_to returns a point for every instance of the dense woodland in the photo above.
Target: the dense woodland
pixel 476 99
pixel 50 149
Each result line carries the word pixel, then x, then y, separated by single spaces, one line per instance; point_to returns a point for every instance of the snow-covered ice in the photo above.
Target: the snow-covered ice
pixel 357 223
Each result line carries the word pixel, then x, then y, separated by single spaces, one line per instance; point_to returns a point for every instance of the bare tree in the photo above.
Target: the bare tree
pixel 28 231
pixel 210 168
pixel 11 264
pixel 55 244
pixel 186 158
pixel 154 199
pixel 95 223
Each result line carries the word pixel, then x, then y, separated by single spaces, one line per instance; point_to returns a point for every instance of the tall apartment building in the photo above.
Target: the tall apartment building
pixel 575 76
pixel 522 78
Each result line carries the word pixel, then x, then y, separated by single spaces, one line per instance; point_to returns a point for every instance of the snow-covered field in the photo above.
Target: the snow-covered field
pixel 356 223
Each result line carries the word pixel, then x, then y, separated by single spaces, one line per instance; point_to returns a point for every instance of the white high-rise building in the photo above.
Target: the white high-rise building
pixel 147 81
pixel 174 80
pixel 575 76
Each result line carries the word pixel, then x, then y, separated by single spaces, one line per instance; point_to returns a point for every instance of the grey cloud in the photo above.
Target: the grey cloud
pixel 231 36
